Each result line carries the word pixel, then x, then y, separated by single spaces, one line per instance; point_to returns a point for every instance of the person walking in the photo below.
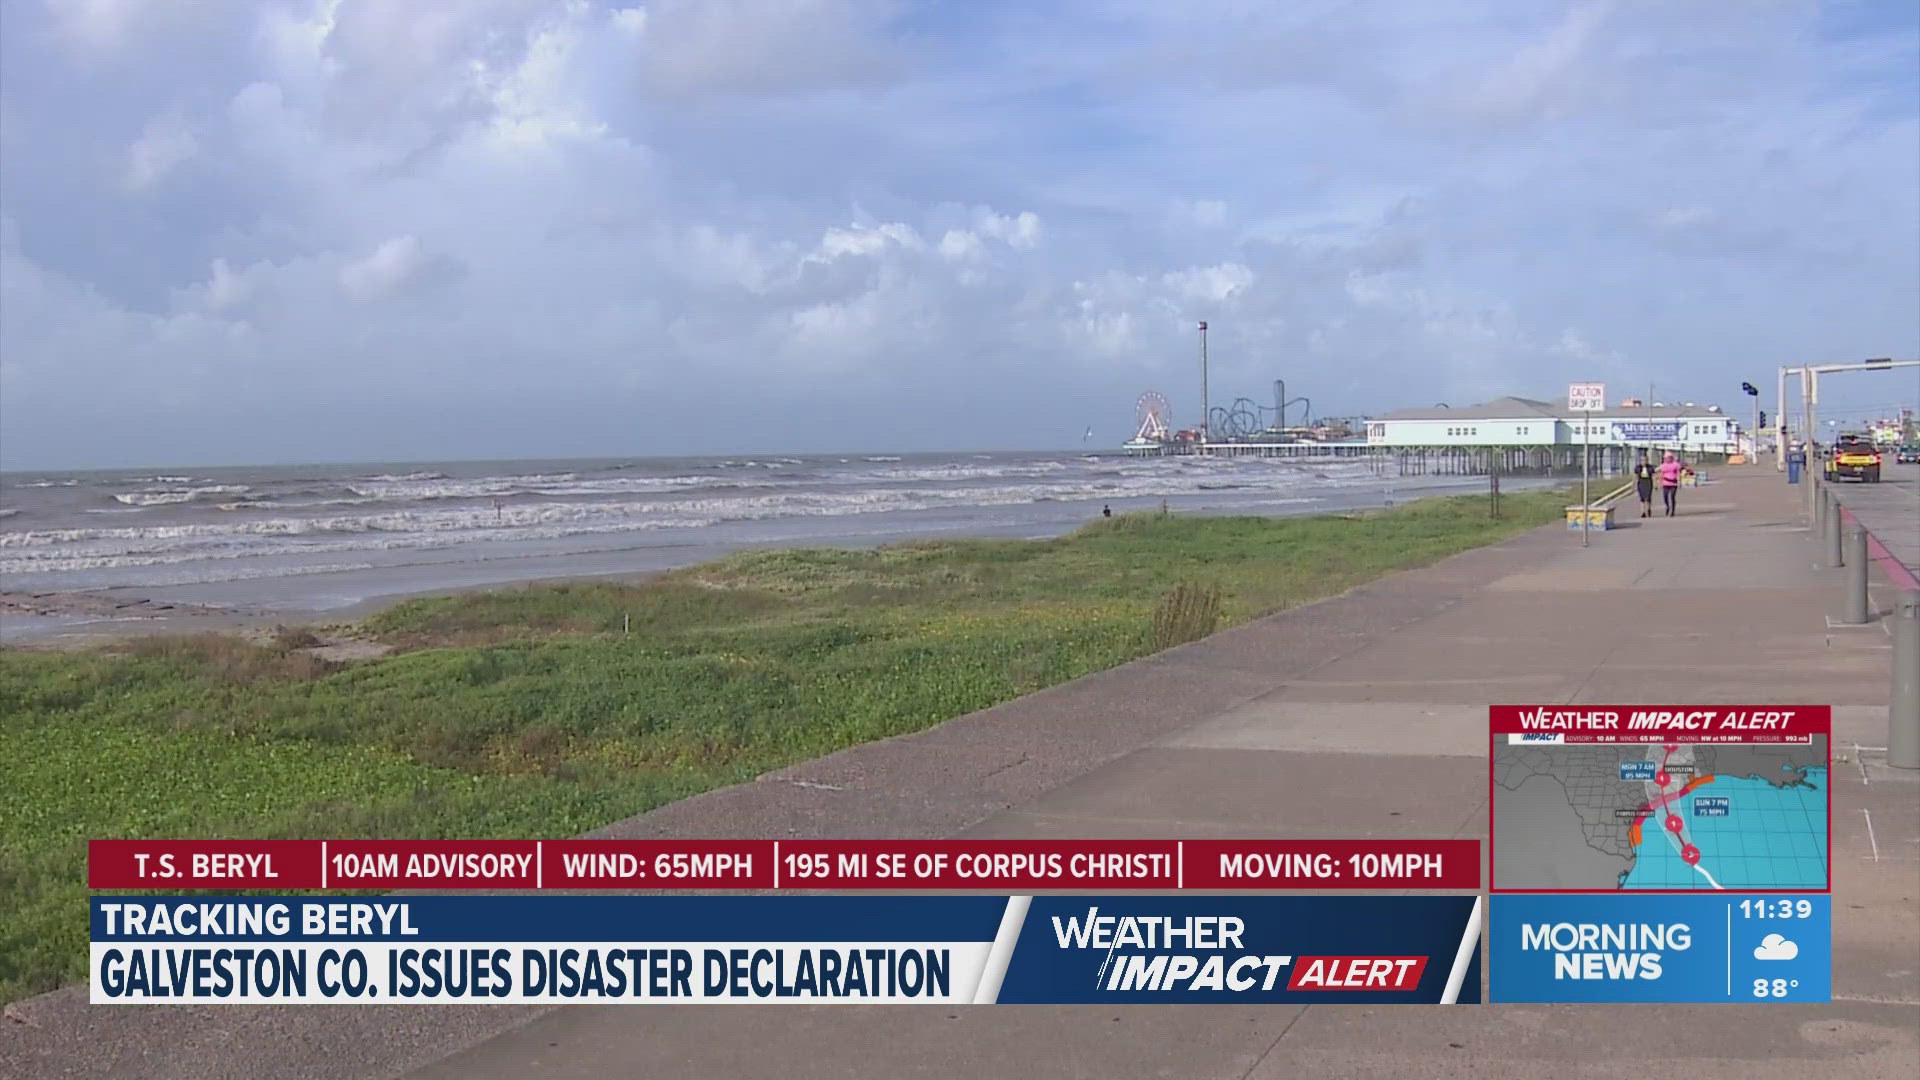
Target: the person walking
pixel 1643 476
pixel 1670 481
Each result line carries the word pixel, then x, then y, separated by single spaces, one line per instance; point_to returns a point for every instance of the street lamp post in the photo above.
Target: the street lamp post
pixel 1206 410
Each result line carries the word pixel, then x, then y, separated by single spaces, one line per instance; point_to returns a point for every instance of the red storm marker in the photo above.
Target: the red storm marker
pixel 1674 824
pixel 1690 855
pixel 1662 778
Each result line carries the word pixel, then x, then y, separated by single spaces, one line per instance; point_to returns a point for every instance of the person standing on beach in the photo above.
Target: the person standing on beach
pixel 1643 475
pixel 1670 481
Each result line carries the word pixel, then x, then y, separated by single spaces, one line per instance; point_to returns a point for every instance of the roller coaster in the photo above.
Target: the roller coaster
pixel 1246 419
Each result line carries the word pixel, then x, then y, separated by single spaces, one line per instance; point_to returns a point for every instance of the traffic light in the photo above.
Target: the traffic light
pixel 1763 418
pixel 1747 388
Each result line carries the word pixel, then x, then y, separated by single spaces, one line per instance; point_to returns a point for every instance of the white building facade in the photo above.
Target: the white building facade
pixel 1525 422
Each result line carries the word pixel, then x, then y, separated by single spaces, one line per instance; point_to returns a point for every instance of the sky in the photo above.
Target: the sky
pixel 258 231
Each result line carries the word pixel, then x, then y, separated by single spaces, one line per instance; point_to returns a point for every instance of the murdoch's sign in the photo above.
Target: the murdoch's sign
pixel 1633 431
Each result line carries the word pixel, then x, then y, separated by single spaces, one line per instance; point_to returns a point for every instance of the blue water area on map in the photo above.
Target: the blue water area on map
pixel 1770 838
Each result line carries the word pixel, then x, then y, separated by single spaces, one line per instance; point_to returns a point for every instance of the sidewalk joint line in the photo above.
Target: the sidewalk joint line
pixel 1276 1042
pixel 1870 837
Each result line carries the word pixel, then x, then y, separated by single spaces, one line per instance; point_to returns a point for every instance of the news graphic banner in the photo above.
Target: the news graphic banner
pixel 783 865
pixel 1665 853
pixel 948 950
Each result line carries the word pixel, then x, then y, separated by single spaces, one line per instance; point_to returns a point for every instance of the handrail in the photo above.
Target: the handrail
pixel 1608 499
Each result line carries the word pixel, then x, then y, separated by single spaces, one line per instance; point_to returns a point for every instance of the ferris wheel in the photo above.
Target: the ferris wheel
pixel 1154 417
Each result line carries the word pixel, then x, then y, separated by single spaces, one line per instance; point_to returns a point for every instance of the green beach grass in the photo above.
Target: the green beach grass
pixel 550 710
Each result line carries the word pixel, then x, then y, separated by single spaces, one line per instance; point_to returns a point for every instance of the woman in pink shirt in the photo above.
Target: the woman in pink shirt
pixel 1669 481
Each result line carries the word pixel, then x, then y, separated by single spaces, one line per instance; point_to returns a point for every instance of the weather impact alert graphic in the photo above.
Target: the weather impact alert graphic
pixel 1591 798
pixel 1659 854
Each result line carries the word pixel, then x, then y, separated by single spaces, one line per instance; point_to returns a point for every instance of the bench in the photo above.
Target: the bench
pixel 1598 515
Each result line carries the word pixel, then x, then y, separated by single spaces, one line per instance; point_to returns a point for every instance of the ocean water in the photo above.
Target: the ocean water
pixel 1775 837
pixel 313 538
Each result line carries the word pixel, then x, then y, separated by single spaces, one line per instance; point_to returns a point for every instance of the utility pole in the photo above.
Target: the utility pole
pixel 1780 424
pixel 1753 392
pixel 1206 405
pixel 1813 403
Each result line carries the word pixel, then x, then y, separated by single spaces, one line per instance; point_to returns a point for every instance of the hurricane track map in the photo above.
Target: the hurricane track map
pixel 1678 808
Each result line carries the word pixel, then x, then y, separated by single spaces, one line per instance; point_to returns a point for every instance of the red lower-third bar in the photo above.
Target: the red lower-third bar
pixel 1331 864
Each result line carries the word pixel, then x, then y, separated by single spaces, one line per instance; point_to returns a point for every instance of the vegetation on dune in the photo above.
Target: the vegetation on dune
pixel 549 710
pixel 1188 613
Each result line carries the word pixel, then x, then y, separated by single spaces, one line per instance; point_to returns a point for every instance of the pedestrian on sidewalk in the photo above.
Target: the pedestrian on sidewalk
pixel 1643 475
pixel 1670 481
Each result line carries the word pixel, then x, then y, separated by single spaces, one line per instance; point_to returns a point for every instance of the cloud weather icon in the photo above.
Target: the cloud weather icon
pixel 1775 947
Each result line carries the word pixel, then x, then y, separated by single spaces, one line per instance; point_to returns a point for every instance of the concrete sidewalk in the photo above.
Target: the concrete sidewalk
pixel 1360 716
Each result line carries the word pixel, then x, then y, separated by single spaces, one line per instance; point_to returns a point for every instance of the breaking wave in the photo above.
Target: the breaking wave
pixel 178 495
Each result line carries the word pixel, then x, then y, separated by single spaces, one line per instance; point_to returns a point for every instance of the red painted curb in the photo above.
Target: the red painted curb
pixel 1895 570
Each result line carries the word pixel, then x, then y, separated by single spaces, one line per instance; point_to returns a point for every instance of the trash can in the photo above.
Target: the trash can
pixel 1796 461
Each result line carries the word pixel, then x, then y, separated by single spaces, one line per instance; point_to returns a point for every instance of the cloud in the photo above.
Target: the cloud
pixel 1210 284
pixel 1020 230
pixel 399 264
pixel 1544 77
pixel 1775 947
pixel 1200 213
pixel 814 223
pixel 164 144
pixel 765 47
pixel 97 24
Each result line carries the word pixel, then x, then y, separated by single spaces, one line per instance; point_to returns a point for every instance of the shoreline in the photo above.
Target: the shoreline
pixel 101 622
pixel 65 619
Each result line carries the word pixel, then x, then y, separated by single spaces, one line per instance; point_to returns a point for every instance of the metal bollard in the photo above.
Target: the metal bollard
pixel 1856 613
pixel 1831 541
pixel 1817 508
pixel 1903 708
